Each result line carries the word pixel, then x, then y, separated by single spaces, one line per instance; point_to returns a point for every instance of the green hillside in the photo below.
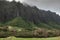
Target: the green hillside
pixel 21 20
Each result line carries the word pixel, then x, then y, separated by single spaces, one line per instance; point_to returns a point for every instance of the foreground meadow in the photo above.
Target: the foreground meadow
pixel 13 38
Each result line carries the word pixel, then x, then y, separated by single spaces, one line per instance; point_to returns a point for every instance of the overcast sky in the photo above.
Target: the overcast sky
pixel 53 5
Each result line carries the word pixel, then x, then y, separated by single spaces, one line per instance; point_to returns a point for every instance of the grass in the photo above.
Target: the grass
pixel 14 38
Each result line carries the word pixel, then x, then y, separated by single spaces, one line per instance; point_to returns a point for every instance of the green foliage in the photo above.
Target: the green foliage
pixel 19 22
pixel 44 25
pixel 17 15
pixel 1 24
pixel 54 25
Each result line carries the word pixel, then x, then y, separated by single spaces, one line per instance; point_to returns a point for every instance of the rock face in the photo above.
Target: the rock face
pixel 10 10
pixel 30 21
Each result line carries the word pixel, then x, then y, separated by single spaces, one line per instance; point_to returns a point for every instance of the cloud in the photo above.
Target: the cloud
pixel 53 5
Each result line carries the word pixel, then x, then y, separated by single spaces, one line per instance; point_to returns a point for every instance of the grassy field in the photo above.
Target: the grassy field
pixel 13 38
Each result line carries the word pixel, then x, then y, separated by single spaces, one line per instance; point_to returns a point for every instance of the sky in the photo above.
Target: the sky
pixel 52 5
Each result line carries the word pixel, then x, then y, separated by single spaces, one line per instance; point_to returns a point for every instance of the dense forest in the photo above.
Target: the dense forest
pixel 17 19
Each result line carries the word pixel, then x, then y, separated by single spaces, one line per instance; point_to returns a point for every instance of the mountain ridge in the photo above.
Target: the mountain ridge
pixel 32 22
pixel 14 9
